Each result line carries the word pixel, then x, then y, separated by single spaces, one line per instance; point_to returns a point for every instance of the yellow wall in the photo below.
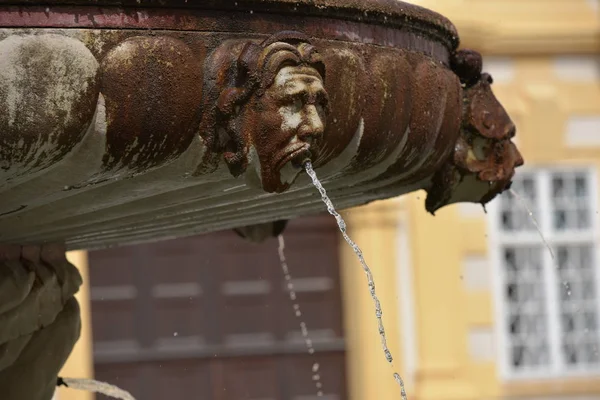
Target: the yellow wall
pixel 528 35
pixel 80 362
pixel 523 27
pixel 369 374
pixel 443 370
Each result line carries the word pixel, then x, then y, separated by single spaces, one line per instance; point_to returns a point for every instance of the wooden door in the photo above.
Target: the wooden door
pixel 209 317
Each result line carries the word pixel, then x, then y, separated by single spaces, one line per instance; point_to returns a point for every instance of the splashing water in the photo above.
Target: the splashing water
pixel 342 225
pixel 524 204
pixel 292 293
pixel 93 386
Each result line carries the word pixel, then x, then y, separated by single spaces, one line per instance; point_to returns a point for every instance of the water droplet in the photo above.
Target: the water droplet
pixel 388 356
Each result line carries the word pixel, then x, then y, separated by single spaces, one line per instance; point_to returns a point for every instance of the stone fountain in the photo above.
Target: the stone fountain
pixel 127 121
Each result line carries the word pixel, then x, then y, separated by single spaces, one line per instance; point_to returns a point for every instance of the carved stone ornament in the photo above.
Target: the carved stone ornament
pixel 484 158
pixel 267 108
pixel 39 319
pixel 124 121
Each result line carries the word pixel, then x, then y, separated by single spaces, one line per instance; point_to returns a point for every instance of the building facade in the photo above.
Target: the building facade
pixel 476 304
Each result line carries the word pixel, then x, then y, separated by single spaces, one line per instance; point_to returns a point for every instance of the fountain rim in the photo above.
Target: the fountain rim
pixel 389 13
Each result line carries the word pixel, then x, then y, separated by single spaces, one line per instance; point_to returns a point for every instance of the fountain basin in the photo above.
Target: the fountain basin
pixel 129 121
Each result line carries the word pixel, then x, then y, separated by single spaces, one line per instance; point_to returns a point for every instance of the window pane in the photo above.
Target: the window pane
pixel 570 201
pixel 526 320
pixel 513 213
pixel 578 305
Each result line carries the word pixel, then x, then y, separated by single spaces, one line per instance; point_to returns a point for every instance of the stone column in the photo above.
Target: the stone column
pixel 39 319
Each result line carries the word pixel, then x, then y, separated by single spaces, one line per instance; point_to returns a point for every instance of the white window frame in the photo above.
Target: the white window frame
pixel 495 242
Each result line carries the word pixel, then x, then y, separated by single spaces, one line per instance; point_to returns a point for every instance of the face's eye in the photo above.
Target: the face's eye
pixel 322 102
pixel 297 104
pixel 294 103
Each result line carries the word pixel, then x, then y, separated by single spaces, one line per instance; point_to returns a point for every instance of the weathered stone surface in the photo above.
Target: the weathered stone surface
pixel 48 92
pixel 37 281
pixel 39 319
pixel 152 87
pixel 198 118
pixel 33 375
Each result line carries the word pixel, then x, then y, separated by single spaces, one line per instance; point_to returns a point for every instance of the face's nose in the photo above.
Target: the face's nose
pixel 312 124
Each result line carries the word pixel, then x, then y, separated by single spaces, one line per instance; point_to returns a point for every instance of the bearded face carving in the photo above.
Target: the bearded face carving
pixel 271 109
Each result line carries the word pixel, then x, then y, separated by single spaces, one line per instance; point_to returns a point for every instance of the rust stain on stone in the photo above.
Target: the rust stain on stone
pixel 389 101
pixel 153 92
pixel 433 102
pixel 393 13
pixel 448 130
pixel 346 80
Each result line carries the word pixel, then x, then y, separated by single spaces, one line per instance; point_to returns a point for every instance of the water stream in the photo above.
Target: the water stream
pixel 94 386
pixel 342 225
pixel 316 376
pixel 524 204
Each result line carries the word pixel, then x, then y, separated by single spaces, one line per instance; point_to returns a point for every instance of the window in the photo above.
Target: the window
pixel 548 308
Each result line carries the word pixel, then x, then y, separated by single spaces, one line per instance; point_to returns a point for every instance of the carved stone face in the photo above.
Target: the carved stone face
pixel 487 150
pixel 285 124
pixel 484 159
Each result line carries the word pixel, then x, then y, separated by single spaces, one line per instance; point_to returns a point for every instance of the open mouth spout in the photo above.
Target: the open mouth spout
pixel 296 154
pixel 300 160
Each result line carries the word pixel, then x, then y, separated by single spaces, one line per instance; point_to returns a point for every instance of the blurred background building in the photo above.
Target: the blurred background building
pixel 475 306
